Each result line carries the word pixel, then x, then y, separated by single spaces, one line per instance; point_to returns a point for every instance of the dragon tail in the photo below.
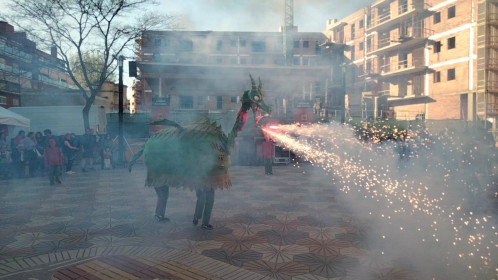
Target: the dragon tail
pixel 135 157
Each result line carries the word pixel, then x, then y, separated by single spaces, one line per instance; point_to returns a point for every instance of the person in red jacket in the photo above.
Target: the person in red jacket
pixel 53 162
pixel 268 154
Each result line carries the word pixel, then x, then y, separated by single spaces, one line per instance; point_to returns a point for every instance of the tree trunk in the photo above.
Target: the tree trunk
pixel 86 118
pixel 86 110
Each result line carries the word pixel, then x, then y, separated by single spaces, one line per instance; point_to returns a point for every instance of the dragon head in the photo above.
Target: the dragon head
pixel 254 99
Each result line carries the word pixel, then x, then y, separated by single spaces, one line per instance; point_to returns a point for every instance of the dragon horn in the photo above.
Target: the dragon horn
pixel 259 86
pixel 252 82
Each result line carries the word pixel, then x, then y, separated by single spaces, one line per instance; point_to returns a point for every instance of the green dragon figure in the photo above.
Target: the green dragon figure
pixel 196 156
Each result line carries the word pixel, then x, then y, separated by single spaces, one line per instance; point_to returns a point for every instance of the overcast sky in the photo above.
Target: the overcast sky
pixel 258 15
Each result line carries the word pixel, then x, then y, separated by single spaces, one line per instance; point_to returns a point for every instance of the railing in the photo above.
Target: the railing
pixel 395 39
pixel 492 41
pixel 493 17
pixel 15 71
pixel 15 52
pixel 400 65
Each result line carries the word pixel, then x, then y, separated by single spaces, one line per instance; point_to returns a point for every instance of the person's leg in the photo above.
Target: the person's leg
pixel 51 174
pixel 83 163
pixel 267 168
pixel 208 208
pixel 162 199
pixel 199 205
pixel 58 171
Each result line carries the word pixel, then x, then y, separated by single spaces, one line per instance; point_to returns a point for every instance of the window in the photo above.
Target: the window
pixel 451 43
pixel 233 43
pixel 369 44
pixel 437 77
pixel 157 42
pixel 296 44
pixel 437 47
pixel 201 100
pixel 369 66
pixel 243 61
pixel 361 46
pixel 306 61
pixel 219 60
pixel 186 102
pixel 219 45
pixel 258 46
pixel 437 17
pixel 451 74
pixel 233 99
pixel 3 100
pixel 306 44
pixel 186 45
pixel 451 12
pixel 243 43
pixel 352 31
pixel 219 102
pixel 352 53
pixel 403 6
pixel 361 24
pixel 296 61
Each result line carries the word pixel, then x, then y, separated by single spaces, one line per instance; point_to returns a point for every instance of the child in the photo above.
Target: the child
pixel 107 155
pixel 53 162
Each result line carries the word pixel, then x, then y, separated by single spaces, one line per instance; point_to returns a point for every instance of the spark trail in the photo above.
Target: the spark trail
pixel 423 204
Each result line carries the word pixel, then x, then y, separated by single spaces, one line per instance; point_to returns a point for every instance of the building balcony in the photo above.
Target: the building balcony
pixel 492 41
pixel 403 67
pixel 492 64
pixel 492 18
pixel 14 52
pixel 403 41
pixel 390 18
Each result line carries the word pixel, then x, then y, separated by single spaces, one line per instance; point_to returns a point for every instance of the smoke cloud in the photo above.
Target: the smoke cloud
pixel 422 203
pixel 257 16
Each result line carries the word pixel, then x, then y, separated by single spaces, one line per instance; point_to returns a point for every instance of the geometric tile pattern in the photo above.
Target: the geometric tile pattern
pixel 99 226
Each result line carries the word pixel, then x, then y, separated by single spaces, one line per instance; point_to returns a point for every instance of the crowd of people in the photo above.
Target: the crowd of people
pixel 31 154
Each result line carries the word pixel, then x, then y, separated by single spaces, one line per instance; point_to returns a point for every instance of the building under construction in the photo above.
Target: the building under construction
pixel 404 59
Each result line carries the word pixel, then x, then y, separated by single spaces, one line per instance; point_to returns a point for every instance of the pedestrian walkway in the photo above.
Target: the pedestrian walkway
pixel 99 225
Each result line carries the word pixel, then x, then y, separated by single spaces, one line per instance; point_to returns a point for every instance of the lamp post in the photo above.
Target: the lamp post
pixel 120 114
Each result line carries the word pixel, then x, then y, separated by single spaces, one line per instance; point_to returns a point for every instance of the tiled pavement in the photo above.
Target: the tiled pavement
pixel 99 225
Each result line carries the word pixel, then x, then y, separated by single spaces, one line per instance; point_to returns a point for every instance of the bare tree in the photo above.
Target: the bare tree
pixel 79 27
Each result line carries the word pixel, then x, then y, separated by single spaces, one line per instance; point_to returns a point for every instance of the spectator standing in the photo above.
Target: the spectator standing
pixel 268 153
pixel 106 158
pixel 5 162
pixel 3 139
pixel 106 143
pixel 53 162
pixel 88 144
pixel 20 162
pixel 69 151
pixel 19 137
pixel 29 144
pixel 47 136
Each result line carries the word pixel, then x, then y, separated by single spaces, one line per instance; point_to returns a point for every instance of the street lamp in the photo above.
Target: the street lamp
pixel 120 114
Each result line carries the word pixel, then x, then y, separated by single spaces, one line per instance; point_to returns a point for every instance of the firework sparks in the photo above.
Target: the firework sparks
pixel 431 207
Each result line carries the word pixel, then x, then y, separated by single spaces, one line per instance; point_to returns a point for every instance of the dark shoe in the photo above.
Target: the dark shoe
pixel 59 182
pixel 207 227
pixel 195 221
pixel 160 219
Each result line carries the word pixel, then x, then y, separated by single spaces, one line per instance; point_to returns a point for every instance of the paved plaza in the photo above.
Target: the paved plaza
pixel 99 225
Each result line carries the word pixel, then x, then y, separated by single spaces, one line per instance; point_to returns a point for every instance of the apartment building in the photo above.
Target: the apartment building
pixel 432 59
pixel 25 68
pixel 205 71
